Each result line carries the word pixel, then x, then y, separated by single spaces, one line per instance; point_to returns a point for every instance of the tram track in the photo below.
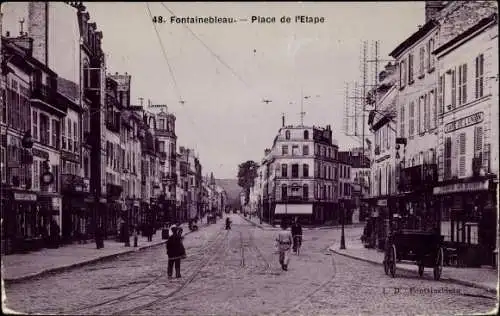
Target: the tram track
pixel 206 248
pixel 213 252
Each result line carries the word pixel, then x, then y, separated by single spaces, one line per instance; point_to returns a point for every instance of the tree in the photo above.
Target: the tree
pixel 247 172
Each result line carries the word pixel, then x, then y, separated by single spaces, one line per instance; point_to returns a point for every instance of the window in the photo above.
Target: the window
pixel 305 150
pixel 34 132
pixel 63 134
pixel 430 57
pixel 441 100
pixel 284 150
pixel 410 68
pixel 306 134
pixel 478 141
pixel 479 76
pixel 427 113
pixel 284 191
pixel 305 191
pixel 453 95
pixel 402 121
pixel 295 150
pixel 284 170
pixel 348 172
pixel 3 164
pixel 402 73
pixel 422 61
pixel 56 133
pixel 55 172
pixel 161 148
pixel 70 142
pixel 341 169
pixel 162 124
pixel 461 157
pixel 295 170
pixel 305 170
pixel 411 127
pixel 44 129
pixel 462 84
pixel 447 158
pixel 287 134
pixel 433 108
pixel 3 106
pixel 75 135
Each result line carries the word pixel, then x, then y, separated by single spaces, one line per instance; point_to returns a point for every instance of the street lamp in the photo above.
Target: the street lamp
pixel 342 237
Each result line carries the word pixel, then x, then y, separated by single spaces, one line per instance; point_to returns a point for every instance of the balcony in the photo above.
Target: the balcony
pixel 72 183
pixel 418 177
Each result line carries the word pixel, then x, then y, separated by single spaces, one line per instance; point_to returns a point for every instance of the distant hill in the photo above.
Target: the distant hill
pixel 232 189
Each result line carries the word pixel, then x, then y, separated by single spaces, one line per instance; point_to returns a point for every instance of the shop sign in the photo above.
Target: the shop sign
pixel 464 122
pixel 462 187
pixel 24 196
pixel 382 202
pixel 40 153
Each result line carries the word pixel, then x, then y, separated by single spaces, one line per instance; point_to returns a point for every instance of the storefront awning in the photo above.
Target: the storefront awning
pixel 304 209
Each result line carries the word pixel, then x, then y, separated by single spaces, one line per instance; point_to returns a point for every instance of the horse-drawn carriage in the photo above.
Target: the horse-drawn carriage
pixel 422 245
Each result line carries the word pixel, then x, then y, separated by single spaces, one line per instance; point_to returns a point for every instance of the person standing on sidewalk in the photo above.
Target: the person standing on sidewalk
pixel 296 234
pixel 284 243
pixel 175 252
pixel 135 234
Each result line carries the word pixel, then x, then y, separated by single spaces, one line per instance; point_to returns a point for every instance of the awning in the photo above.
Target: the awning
pixel 306 209
pixel 462 187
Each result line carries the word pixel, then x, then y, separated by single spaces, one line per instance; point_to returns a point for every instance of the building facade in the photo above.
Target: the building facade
pixel 305 173
pixel 468 144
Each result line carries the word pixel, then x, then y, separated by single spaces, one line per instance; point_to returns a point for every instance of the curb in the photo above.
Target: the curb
pixel 451 280
pixel 83 263
pixel 258 225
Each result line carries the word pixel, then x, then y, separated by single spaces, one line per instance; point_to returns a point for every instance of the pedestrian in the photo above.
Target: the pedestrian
pixel 175 252
pixel 135 234
pixel 296 234
pixel 54 233
pixel 284 243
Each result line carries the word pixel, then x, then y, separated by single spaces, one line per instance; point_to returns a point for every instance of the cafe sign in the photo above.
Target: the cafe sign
pixel 462 187
pixel 464 122
pixel 24 196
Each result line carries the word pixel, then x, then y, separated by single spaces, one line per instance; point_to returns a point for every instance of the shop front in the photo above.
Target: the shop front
pixel 76 213
pixel 468 210
pixel 380 208
pixel 49 211
pixel 22 227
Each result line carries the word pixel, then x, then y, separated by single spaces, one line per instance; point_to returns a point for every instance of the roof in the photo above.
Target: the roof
pixel 414 38
pixel 470 31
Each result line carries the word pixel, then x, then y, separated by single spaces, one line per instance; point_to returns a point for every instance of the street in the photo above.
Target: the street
pixel 237 272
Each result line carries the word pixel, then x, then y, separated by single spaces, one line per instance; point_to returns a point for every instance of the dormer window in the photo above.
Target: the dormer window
pixel 306 134
pixel 287 135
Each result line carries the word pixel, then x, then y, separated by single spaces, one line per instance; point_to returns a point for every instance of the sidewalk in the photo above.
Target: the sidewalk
pixel 19 267
pixel 483 278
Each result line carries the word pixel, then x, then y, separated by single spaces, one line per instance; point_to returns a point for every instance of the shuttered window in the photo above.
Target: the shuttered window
pixel 411 128
pixel 479 76
pixel 478 140
pixel 453 100
pixel 402 122
pixel 462 84
pixel 461 157
pixel 447 158
pixel 410 68
pixel 441 94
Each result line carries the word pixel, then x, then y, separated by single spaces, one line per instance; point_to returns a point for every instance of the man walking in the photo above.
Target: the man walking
pixel 284 243
pixel 296 234
pixel 175 252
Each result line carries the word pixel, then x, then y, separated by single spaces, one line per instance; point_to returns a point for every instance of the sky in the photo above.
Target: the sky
pixel 226 70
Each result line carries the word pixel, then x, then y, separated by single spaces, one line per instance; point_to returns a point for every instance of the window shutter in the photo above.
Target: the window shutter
pixel 462 139
pixel 453 88
pixel 447 158
pixel 478 139
pixel 464 83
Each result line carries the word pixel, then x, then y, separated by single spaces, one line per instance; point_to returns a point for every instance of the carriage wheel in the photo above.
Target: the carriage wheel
pixel 420 269
pixel 438 269
pixel 392 261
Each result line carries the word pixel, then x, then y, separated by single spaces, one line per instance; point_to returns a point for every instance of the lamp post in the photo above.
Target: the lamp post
pixel 342 237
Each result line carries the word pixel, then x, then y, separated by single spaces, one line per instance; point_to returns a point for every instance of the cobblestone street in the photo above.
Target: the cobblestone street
pixel 237 272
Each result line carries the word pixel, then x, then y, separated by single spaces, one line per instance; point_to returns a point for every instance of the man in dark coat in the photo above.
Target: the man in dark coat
pixel 175 252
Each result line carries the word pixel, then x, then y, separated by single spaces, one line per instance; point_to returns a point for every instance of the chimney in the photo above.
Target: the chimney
pixel 432 9
pixel 283 120
pixel 38 28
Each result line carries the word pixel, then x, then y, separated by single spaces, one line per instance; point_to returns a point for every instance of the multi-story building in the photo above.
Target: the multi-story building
pixel 417 115
pixel 151 188
pixel 382 123
pixel 75 169
pixel 30 144
pixel 345 185
pixel 165 131
pixel 305 173
pixel 361 183
pixel 468 140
